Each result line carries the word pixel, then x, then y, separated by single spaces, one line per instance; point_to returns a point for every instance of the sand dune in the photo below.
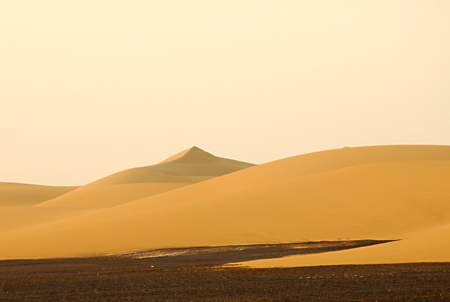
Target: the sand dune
pixel 19 195
pixel 16 218
pixel 431 245
pixel 187 167
pixel 108 196
pixel 190 166
pixel 383 192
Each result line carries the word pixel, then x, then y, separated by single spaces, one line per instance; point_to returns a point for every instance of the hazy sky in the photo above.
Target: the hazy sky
pixel 88 88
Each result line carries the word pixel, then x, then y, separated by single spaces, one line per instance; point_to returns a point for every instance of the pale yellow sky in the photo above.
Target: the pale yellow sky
pixel 88 88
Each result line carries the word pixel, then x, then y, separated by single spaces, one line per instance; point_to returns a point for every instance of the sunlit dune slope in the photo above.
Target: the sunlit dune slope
pixel 20 195
pixel 194 165
pixel 16 218
pixel 386 192
pixel 190 166
pixel 430 245
pixel 108 196
pixel 16 206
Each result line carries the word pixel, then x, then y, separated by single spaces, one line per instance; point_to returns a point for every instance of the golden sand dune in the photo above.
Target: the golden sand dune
pixel 16 205
pixel 19 195
pixel 430 245
pixel 16 218
pixel 190 166
pixel 384 192
pixel 108 196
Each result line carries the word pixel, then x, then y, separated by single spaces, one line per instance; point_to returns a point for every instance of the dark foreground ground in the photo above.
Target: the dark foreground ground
pixel 197 275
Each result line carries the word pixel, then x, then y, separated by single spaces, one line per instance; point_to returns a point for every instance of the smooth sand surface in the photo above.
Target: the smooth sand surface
pixel 190 166
pixel 431 245
pixel 20 195
pixel 108 196
pixel 17 201
pixel 187 167
pixel 16 218
pixel 380 192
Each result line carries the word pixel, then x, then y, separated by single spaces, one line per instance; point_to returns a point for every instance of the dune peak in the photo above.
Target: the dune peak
pixel 193 154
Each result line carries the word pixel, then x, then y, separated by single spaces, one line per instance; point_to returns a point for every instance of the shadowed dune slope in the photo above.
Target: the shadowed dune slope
pixel 383 192
pixel 190 166
pixel 20 195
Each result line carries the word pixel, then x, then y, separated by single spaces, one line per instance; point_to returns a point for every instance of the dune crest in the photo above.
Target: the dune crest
pixel 191 155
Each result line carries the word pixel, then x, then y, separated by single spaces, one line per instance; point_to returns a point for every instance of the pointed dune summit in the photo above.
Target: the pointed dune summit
pixel 191 155
pixel 187 167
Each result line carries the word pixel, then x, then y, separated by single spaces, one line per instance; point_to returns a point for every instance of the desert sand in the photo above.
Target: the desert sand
pixel 197 199
pixel 19 195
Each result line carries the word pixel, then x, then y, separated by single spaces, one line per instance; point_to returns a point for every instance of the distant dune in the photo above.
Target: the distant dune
pixel 18 195
pixel 197 199
pixel 187 167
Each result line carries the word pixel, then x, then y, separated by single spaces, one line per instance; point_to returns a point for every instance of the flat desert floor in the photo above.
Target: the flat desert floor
pixel 198 274
pixel 396 196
